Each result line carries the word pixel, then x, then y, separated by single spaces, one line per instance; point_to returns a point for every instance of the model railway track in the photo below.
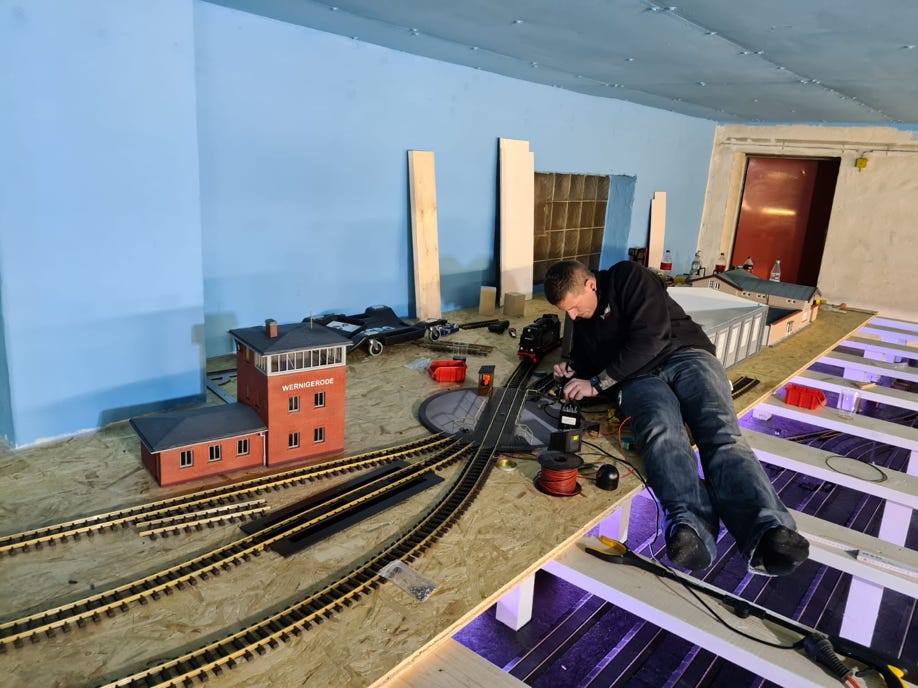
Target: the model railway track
pixel 301 616
pixel 110 602
pixel 209 499
pixel 743 385
pixel 459 348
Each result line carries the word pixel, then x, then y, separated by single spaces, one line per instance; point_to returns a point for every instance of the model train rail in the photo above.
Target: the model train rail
pixel 211 498
pixel 275 629
pixel 112 601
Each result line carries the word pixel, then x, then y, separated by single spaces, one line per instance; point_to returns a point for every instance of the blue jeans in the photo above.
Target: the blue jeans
pixel 692 386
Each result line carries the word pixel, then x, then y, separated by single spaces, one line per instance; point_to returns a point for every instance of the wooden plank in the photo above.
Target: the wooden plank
pixel 452 665
pixel 668 605
pixel 517 217
pixel 870 367
pixel 890 334
pixel 655 242
pixel 424 240
pixel 878 345
pixel 898 487
pixel 869 558
pixel 895 323
pixel 883 395
pixel 857 425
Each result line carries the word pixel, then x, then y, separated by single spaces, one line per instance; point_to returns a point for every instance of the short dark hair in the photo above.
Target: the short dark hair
pixel 563 278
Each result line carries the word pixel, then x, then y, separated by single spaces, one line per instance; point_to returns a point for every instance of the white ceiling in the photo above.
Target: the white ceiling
pixel 843 61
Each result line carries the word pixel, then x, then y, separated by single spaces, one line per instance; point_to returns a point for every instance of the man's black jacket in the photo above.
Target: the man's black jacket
pixel 636 326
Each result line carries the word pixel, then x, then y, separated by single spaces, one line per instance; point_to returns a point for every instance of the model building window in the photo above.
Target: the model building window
pixel 242 448
pixel 318 435
pixel 293 440
pixel 293 404
pixel 300 360
pixel 320 400
pixel 790 326
pixel 187 458
pixel 570 218
pixel 215 452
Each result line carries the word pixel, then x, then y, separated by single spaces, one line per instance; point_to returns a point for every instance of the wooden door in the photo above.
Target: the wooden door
pixel 784 216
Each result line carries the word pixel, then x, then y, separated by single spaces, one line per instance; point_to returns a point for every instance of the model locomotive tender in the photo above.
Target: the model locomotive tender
pixel 540 337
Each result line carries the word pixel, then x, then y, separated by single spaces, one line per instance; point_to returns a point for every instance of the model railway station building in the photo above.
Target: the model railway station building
pixel 290 387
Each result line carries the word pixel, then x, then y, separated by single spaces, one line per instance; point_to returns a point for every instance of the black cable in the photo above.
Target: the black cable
pixel 883 476
pixel 674 574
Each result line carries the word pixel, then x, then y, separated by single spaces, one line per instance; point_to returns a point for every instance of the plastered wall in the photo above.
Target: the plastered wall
pixel 871 252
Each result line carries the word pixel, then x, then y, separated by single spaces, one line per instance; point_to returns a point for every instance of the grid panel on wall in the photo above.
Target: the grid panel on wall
pixel 570 217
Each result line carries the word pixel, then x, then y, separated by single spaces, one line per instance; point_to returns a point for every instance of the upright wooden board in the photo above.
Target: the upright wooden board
pixel 657 230
pixel 423 191
pixel 517 217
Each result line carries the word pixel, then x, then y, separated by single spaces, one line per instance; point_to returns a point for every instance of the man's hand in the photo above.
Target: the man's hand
pixel 563 371
pixel 578 389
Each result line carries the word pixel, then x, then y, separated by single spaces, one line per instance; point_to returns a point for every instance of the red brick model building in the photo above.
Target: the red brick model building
pixel 293 376
pixel 290 387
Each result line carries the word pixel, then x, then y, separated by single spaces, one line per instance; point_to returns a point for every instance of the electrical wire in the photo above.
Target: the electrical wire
pixel 558 482
pixel 883 476
pixel 677 576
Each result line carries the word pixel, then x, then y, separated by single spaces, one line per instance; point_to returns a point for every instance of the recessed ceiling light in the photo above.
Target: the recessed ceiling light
pixel 333 8
pixel 474 47
pixel 908 47
pixel 702 83
pixel 517 21
pixel 534 65
pixel 711 33
pixel 743 52
pixel 415 32
pixel 629 59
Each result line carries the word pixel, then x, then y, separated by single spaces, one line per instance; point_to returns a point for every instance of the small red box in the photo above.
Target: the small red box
pixel 805 397
pixel 448 371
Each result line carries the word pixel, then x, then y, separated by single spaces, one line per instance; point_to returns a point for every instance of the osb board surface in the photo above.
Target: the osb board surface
pixel 508 531
pixel 510 527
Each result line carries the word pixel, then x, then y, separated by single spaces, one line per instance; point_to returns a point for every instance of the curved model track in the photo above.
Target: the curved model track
pixel 312 610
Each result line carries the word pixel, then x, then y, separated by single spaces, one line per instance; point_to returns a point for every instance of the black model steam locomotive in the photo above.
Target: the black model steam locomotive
pixel 540 337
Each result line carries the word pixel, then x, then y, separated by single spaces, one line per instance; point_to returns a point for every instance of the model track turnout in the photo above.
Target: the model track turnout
pixel 208 499
pixel 502 409
pixel 189 572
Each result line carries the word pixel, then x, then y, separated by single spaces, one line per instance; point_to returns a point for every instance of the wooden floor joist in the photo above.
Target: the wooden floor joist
pixel 869 558
pixel 884 483
pixel 669 605
pixel 878 346
pixel 882 395
pixel 896 334
pixel 895 323
pixel 871 367
pixel 860 426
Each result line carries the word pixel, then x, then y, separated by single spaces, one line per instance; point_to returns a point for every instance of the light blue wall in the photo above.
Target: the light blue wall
pixel 172 169
pixel 100 246
pixel 304 138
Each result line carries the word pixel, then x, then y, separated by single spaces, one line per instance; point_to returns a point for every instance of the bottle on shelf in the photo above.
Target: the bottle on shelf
pixel 748 264
pixel 666 263
pixel 775 275
pixel 721 264
pixel 696 264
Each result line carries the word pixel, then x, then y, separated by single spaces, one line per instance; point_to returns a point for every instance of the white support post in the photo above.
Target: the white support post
pixel 515 608
pixel 616 525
